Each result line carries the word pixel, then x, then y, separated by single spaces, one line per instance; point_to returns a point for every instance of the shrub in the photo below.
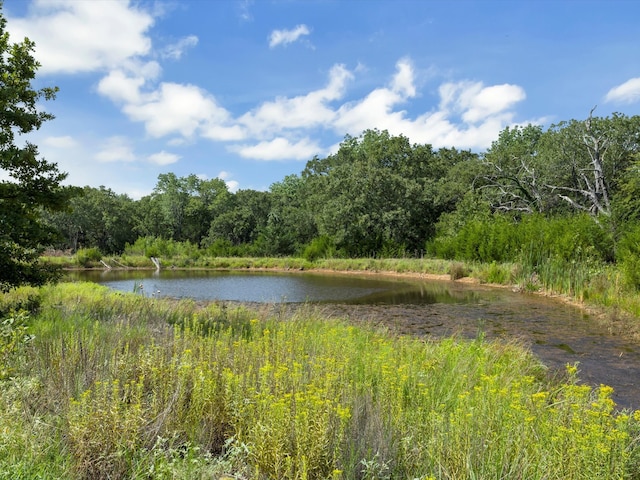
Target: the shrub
pixel 320 247
pixel 532 239
pixel 628 257
pixel 21 299
pixel 162 247
pixel 457 271
pixel 85 257
pixel 13 336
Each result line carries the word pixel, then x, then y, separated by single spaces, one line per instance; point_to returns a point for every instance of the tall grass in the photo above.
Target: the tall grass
pixel 123 386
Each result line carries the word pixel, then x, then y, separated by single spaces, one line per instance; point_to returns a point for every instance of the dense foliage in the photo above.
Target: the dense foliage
pixel 378 195
pixel 27 183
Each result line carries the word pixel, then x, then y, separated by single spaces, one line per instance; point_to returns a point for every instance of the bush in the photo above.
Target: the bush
pixel 162 247
pixel 85 257
pixel 530 240
pixel 320 247
pixel 628 257
pixel 457 271
pixel 13 336
pixel 21 298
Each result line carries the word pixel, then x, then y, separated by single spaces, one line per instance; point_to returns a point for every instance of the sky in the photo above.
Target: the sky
pixel 250 90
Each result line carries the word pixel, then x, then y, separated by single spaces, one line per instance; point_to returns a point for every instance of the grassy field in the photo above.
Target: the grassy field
pixel 104 385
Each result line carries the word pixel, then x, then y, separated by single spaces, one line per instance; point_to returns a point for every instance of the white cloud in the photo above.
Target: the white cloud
pixel 628 92
pixel 403 80
pixel 376 109
pixel 212 131
pixel 284 37
pixel 176 50
pixel 120 87
pixel 163 158
pixel 483 112
pixel 305 111
pixel 60 142
pixel 468 114
pixel 116 149
pixel 82 36
pixel 475 102
pixel 278 149
pixel 232 185
pixel 177 108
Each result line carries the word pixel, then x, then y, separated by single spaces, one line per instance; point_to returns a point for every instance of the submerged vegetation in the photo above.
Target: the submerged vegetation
pixel 99 384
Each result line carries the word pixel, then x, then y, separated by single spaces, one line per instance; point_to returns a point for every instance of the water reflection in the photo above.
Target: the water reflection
pixel 264 287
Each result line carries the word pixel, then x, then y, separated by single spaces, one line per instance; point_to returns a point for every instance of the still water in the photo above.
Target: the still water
pixel 558 334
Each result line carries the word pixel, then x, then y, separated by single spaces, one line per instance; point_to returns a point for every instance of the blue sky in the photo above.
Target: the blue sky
pixel 248 91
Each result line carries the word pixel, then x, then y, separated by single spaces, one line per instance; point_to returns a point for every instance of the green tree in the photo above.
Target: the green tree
pixel 290 222
pixel 182 208
pixel 97 218
pixel 590 158
pixel 244 218
pixel 207 200
pixel 573 166
pixel 514 179
pixel 380 194
pixel 29 184
pixel 626 207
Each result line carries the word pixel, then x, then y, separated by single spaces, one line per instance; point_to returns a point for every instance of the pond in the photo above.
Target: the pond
pixel 557 333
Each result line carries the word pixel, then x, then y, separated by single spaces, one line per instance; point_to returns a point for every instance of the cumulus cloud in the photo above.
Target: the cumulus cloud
pixel 305 111
pixel 278 149
pixel 628 92
pixel 403 80
pixel 120 87
pixel 169 108
pixel 116 149
pixel 73 36
pixel 177 108
pixel 466 114
pixel 163 158
pixel 60 142
pixel 376 110
pixel 285 37
pixel 475 102
pixel 469 114
pixel 176 50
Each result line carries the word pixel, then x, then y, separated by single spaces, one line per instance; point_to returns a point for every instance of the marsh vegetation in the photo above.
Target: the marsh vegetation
pixel 98 384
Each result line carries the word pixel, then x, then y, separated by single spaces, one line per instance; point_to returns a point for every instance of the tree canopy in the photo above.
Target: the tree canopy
pixel 27 182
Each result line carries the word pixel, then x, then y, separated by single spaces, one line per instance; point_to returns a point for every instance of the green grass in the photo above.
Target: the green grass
pixel 122 386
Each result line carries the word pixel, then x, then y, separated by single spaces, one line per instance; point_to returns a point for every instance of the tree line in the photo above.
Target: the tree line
pixel 380 195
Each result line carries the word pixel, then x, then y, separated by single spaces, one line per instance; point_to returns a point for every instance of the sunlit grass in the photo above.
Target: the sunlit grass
pixel 123 386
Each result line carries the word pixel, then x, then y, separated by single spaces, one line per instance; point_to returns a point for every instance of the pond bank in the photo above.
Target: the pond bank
pixel 615 320
pixel 611 312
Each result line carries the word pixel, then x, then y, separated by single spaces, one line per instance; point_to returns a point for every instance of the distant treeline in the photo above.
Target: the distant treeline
pixel 571 191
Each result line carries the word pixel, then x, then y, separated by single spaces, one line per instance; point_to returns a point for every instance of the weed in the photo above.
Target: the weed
pixel 125 386
pixel 457 271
